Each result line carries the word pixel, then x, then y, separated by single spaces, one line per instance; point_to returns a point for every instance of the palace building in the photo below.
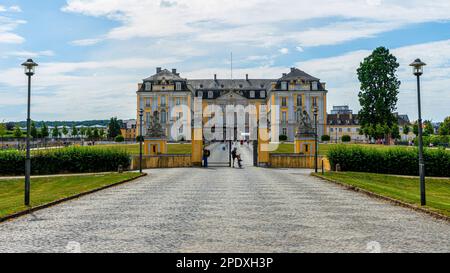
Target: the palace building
pixel 294 92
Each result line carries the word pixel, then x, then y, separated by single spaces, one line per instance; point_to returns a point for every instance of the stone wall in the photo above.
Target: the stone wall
pixel 297 161
pixel 162 161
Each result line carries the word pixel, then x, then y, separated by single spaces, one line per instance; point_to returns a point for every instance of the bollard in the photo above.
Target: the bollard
pixel 323 172
pixel 120 169
pixel 338 167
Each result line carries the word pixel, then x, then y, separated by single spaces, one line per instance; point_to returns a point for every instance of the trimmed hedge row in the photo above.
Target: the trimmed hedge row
pixel 401 161
pixel 66 160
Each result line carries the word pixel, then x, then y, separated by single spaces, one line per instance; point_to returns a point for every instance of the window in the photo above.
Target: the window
pixel 177 101
pixel 210 94
pixel 163 117
pixel 284 131
pixel 349 130
pixel 147 118
pixel 315 85
pixel 283 102
pixel 306 147
pixel 147 102
pixel 283 117
pixel 181 129
pixel 299 100
pixel 200 94
pixel 178 86
pixel 262 94
pixel 163 101
pixel 283 85
pixel 340 130
pixel 331 129
pixel 148 86
pixel 252 94
pixel 314 101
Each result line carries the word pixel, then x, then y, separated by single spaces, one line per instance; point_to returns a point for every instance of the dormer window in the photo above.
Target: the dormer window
pixel 315 86
pixel 200 94
pixel 201 85
pixel 262 94
pixel 178 86
pixel 240 85
pixel 283 85
pixel 210 94
pixel 252 94
pixel 148 86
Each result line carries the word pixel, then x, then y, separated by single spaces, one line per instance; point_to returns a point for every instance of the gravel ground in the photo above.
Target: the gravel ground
pixel 226 210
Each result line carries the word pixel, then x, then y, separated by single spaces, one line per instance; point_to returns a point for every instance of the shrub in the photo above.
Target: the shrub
pixel 346 138
pixel 283 137
pixel 402 161
pixel 119 138
pixel 326 138
pixel 66 160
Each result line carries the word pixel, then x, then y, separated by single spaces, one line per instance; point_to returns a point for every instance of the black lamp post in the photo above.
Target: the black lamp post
pixel 418 71
pixel 316 110
pixel 29 67
pixel 141 114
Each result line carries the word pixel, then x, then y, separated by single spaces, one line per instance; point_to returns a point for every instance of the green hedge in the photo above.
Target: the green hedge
pixel 66 160
pixel 402 161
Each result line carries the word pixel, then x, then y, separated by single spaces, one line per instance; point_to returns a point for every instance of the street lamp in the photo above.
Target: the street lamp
pixel 316 110
pixel 29 67
pixel 141 114
pixel 418 71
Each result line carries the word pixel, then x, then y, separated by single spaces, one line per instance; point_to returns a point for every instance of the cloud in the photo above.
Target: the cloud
pixel 260 21
pixel 30 54
pixel 7 26
pixel 86 42
pixel 340 74
pixel 15 9
pixel 284 50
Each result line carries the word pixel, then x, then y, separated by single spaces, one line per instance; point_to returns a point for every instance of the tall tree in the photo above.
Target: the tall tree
pixel 89 133
pixel 2 130
pixel 17 132
pixel 444 129
pixel 74 131
pixel 55 132
pixel 428 128
pixel 95 134
pixel 102 133
pixel 378 92
pixel 114 128
pixel 44 130
pixel 416 128
pixel 65 131
pixel 33 130
pixel 406 129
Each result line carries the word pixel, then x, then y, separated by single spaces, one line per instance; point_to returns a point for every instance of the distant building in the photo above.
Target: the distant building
pixel 403 120
pixel 342 122
pixel 128 129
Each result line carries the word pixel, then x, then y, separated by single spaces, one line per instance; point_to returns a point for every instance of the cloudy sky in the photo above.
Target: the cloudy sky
pixel 92 53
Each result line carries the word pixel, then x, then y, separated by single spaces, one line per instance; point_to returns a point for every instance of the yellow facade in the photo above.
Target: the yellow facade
pixel 305 147
pixel 155 146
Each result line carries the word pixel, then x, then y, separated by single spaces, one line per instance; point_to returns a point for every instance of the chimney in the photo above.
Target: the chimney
pixel 284 74
pixel 174 71
pixel 292 69
pixel 215 77
pixel 158 69
pixel 246 77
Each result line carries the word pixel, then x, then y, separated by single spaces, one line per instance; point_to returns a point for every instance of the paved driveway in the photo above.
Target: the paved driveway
pixel 226 210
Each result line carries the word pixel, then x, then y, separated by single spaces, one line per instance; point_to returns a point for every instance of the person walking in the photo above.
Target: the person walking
pixel 206 154
pixel 234 155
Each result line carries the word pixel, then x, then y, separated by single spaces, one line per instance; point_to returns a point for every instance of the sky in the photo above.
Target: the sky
pixel 93 53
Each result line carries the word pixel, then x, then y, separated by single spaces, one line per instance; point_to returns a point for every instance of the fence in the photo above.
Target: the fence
pixel 297 161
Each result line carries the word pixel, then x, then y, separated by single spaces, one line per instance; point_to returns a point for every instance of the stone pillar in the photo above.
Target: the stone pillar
pixel 197 146
pixel 304 146
pixel 263 146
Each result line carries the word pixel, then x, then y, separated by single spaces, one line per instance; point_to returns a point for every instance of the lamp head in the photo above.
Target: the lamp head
pixel 29 67
pixel 417 66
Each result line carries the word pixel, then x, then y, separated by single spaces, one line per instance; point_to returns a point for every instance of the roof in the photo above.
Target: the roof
pixel 342 119
pixel 298 74
pixel 165 75
pixel 251 84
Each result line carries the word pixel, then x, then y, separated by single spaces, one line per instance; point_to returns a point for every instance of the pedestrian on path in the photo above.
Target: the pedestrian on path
pixel 206 154
pixel 234 155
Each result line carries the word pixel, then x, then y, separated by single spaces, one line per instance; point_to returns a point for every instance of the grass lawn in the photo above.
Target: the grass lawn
pixel 288 148
pixel 401 188
pixel 47 189
pixel 134 148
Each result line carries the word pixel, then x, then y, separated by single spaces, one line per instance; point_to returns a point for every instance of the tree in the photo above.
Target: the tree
pixel 428 128
pixel 114 128
pixel 346 138
pixel 102 133
pixel 444 129
pixel 89 133
pixel 406 129
pixel 378 93
pixel 74 131
pixel 65 131
pixel 119 138
pixel 17 132
pixel 10 126
pixel 55 132
pixel 395 132
pixel 325 138
pixel 2 130
pixel 96 134
pixel 33 130
pixel 44 131
pixel 82 131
